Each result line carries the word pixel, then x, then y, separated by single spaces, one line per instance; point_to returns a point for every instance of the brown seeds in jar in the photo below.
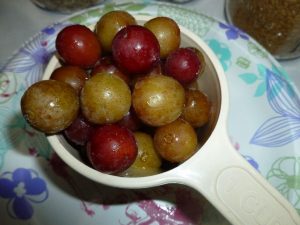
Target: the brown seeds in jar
pixel 273 23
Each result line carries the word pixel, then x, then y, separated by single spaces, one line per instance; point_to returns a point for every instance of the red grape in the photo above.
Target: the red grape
pixel 79 131
pixel 106 65
pixel 183 64
pixel 112 148
pixel 77 45
pixel 135 49
pixel 131 121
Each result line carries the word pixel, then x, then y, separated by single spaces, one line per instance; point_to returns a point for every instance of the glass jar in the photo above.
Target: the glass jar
pixel 66 6
pixel 275 24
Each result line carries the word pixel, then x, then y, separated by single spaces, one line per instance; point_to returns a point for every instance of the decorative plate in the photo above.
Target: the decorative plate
pixel 36 187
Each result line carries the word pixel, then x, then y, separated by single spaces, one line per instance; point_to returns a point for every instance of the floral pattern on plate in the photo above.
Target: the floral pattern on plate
pixel 22 188
pixel 35 185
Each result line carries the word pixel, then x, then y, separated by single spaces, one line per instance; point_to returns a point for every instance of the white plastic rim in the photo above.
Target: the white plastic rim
pixel 217 171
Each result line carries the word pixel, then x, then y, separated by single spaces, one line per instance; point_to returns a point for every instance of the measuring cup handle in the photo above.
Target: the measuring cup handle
pixel 235 188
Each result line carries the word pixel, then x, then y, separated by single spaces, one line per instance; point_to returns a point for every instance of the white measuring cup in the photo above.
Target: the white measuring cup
pixel 216 170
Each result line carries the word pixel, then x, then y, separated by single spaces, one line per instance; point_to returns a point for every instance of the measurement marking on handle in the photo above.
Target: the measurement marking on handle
pixel 249 201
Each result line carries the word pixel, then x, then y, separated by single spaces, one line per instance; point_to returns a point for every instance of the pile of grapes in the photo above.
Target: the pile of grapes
pixel 123 95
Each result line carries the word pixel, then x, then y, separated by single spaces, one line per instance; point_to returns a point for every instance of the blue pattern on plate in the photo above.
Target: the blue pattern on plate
pixel 32 59
pixel 222 52
pixel 252 161
pixel 15 131
pixel 284 128
pixel 22 187
pixel 233 32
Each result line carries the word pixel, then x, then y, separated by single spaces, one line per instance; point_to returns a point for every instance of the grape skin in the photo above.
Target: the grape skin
pixel 50 106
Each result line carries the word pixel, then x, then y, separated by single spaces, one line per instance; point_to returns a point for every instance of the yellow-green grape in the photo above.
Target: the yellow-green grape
pixel 158 99
pixel 176 142
pixel 148 161
pixel 109 24
pixel 197 108
pixel 167 33
pixel 50 106
pixel 105 98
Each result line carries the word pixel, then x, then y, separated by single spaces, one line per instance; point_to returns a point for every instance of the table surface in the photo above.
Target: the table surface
pixel 21 19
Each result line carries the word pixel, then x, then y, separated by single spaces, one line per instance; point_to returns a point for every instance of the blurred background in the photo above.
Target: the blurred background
pixel 20 20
